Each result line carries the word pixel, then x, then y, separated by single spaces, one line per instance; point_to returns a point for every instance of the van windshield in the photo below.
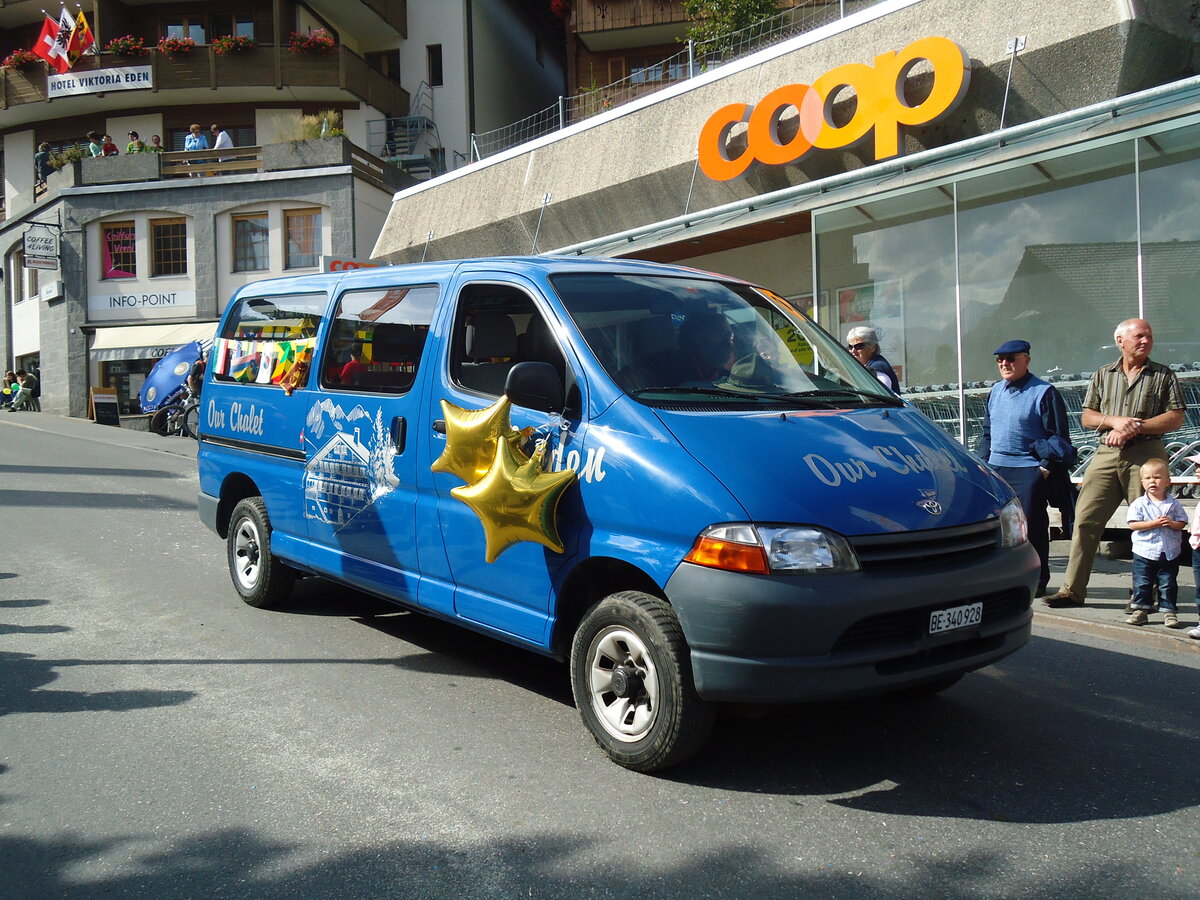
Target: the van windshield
pixel 668 340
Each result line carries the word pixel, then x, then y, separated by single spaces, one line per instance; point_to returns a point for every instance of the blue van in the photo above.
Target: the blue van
pixel 673 480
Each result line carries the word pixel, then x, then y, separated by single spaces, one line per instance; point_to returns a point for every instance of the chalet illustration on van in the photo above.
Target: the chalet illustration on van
pixel 337 483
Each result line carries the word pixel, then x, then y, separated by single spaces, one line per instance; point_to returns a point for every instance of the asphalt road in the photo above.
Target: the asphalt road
pixel 159 738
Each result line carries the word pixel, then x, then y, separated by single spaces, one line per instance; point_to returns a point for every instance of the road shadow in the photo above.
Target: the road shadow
pixel 241 863
pixel 89 500
pixel 85 470
pixel 23 678
pixel 1057 733
pixel 450 649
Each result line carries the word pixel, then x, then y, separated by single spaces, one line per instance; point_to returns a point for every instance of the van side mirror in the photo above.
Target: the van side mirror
pixel 535 385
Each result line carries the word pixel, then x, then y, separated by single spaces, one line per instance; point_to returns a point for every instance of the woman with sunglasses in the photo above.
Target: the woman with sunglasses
pixel 863 343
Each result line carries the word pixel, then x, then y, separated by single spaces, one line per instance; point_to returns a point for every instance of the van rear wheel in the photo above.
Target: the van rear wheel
pixel 259 578
pixel 632 682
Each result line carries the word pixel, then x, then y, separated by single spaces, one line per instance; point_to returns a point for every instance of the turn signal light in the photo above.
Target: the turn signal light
pixel 728 555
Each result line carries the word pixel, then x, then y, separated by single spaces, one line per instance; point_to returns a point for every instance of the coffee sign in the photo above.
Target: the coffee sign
pixel 41 248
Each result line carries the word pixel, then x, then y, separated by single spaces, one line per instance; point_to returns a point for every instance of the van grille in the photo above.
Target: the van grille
pixel 934 546
pixel 910 625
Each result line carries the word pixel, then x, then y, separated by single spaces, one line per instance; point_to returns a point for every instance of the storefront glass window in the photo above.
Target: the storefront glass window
pixel 889 264
pixel 1170 198
pixel 1048 254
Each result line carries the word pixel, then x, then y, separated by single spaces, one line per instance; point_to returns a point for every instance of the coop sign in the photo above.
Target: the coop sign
pixel 880 108
pixel 99 81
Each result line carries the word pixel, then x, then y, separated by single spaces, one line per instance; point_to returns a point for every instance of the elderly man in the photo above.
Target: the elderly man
pixel 863 343
pixel 1131 404
pixel 1026 438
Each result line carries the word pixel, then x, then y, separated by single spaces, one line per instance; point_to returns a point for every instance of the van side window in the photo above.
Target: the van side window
pixel 377 337
pixel 269 341
pixel 496 327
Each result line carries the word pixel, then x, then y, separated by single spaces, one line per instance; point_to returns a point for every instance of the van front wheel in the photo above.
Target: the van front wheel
pixel 259 578
pixel 632 682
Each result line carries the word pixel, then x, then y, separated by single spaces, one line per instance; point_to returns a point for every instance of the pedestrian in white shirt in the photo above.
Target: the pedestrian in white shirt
pixel 1156 520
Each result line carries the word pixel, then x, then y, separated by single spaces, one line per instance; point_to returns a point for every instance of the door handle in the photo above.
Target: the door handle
pixel 399 433
pixel 439 425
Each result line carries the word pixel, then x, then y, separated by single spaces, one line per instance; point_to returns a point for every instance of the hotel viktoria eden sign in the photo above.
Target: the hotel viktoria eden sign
pixel 879 88
pixel 100 81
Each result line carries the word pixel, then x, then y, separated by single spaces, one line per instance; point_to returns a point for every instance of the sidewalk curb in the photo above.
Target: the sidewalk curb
pixel 1131 633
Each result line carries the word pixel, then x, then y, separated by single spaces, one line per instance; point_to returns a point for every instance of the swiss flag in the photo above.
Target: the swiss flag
pixel 49 48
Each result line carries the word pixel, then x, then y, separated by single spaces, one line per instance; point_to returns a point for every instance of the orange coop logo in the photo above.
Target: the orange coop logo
pixel 879 89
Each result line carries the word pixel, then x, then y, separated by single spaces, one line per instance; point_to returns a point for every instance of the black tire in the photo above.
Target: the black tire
pixel 190 420
pixel 159 421
pixel 258 577
pixel 649 716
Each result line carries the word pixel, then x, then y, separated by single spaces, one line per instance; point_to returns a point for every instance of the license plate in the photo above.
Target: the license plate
pixel 955 617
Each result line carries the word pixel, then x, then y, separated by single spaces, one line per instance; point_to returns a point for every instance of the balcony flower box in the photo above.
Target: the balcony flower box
pixel 317 42
pixel 171 46
pixel 233 43
pixel 21 59
pixel 127 45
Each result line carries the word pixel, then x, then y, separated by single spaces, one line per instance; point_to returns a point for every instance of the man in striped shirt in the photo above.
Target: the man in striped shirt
pixel 1131 404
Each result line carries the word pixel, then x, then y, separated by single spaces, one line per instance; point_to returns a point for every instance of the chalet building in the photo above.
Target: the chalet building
pixel 149 247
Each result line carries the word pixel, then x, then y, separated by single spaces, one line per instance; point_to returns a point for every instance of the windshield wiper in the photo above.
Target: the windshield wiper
pixel 889 400
pixel 792 399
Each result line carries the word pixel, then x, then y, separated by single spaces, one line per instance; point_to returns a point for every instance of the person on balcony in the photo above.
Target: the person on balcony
pixel 108 148
pixel 95 144
pixel 221 141
pixel 195 141
pixel 136 144
pixel 41 165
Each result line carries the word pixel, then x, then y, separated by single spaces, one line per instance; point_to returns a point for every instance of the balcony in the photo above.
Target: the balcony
pixel 589 16
pixel 342 75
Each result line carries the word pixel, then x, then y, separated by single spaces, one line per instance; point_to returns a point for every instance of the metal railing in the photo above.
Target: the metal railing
pixel 696 58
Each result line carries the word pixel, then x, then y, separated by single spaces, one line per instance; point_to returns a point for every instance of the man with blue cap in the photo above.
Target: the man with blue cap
pixel 1026 439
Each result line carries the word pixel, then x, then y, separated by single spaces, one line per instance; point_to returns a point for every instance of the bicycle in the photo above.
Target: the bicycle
pixel 179 415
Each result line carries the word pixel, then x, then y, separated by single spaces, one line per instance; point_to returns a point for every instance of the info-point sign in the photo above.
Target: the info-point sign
pixel 879 89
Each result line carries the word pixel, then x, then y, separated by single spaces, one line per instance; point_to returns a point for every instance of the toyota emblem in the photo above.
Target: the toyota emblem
pixel 930 506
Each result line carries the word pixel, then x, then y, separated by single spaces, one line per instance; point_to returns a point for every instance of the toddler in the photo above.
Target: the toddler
pixel 1156 520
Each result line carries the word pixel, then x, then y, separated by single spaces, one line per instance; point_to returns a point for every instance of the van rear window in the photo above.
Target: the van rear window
pixel 269 341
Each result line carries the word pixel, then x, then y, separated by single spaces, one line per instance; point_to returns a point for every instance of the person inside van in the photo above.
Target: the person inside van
pixel 357 365
pixel 707 342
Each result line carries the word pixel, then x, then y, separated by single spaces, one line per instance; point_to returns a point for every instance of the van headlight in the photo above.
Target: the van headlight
pixel 773 549
pixel 1014 528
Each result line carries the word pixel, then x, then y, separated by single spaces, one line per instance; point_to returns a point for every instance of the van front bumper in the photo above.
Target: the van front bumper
pixel 794 638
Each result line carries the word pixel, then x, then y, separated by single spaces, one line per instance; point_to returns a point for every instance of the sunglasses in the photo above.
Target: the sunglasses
pixel 1006 357
pixel 854 347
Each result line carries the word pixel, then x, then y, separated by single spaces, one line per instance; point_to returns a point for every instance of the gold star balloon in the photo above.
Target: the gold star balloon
pixel 516 500
pixel 471 437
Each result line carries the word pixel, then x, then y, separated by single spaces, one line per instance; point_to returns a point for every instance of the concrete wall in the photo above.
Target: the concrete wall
pixel 635 165
pixel 19 148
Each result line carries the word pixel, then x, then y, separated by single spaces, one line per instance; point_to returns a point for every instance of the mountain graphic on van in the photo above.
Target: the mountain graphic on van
pixel 327 409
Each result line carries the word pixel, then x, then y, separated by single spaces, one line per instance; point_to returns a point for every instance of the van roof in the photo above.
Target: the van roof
pixel 437 271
